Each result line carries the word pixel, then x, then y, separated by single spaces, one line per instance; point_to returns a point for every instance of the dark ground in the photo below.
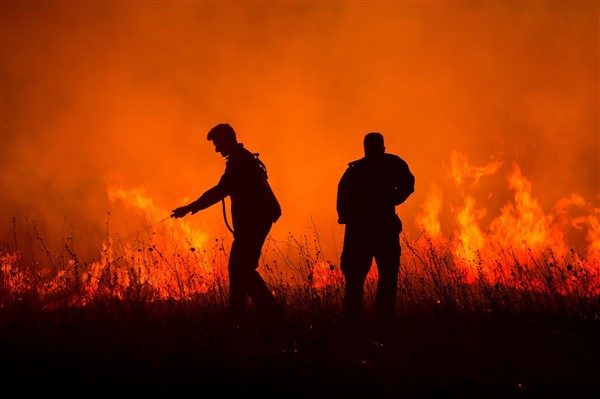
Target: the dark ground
pixel 178 349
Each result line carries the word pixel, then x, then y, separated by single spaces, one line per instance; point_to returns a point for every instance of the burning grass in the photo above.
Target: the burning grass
pixel 149 317
pixel 160 267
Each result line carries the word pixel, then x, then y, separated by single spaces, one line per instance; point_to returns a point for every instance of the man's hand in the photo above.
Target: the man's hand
pixel 180 212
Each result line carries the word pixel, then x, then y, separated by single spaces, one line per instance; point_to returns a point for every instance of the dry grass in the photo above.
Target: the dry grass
pixel 150 316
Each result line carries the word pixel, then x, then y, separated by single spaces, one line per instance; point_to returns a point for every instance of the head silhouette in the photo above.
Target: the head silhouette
pixel 373 144
pixel 223 138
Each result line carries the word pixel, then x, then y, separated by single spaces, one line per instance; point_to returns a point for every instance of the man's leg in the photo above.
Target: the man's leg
pixel 237 290
pixel 355 265
pixel 388 266
pixel 250 245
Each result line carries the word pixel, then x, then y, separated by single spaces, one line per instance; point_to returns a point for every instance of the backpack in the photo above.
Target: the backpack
pixel 275 207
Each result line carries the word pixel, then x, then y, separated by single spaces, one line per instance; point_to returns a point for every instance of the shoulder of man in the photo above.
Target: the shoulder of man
pixel 247 162
pixel 392 157
pixel 395 160
pixel 356 162
pixel 239 154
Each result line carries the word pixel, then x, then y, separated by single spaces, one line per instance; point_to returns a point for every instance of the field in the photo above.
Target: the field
pixel 107 328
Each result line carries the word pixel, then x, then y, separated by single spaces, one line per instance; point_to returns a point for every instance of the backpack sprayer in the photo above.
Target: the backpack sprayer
pixel 225 216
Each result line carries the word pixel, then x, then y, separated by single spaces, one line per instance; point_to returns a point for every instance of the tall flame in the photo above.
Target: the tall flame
pixel 523 225
pixel 428 220
pixel 138 200
pixel 171 259
pixel 523 234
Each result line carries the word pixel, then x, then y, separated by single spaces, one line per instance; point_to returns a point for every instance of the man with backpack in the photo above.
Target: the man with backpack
pixel 254 209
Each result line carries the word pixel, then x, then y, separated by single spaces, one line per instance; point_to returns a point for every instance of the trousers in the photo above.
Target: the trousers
pixel 362 244
pixel 244 279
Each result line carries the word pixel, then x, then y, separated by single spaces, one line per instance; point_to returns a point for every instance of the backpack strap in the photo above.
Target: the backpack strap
pixel 261 165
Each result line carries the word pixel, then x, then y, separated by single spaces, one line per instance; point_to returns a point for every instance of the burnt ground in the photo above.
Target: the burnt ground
pixel 173 348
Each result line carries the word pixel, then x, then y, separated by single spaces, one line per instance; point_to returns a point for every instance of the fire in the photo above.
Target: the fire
pixel 523 225
pixel 324 274
pixel 14 280
pixel 522 235
pixel 522 247
pixel 172 262
pixel 470 238
pixel 136 199
pixel 428 220
pixel 159 266
pixel 462 171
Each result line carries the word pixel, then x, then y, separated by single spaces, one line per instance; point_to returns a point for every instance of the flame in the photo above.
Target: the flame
pixel 523 226
pixel 470 238
pixel 522 235
pixel 172 263
pixel 522 247
pixel 324 274
pixel 461 170
pixel 137 199
pixel 428 220
pixel 14 279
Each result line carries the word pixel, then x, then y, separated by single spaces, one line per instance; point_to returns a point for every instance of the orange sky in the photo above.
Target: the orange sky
pixel 100 93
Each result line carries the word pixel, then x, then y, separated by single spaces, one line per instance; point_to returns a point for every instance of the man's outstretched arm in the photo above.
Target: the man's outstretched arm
pixel 210 197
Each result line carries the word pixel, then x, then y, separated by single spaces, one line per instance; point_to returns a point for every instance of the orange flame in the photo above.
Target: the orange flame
pixel 470 238
pixel 173 266
pixel 136 199
pixel 178 265
pixel 522 228
pixel 461 170
pixel 428 220
pixel 325 274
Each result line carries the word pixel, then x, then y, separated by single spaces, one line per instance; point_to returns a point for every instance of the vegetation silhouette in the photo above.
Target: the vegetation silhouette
pixel 531 335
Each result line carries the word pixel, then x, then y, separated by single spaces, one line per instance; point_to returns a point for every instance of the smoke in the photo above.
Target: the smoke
pixel 95 94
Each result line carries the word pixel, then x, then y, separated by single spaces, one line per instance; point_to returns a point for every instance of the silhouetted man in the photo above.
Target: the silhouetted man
pixel 254 209
pixel 368 193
